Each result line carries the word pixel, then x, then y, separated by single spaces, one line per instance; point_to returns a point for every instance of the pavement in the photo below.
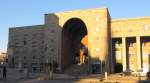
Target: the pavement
pixel 14 76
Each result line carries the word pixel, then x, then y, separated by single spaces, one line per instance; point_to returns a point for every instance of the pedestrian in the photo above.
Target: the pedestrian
pixel 4 72
pixel 148 75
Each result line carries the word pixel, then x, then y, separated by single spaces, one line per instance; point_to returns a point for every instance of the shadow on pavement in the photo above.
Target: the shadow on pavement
pixel 144 81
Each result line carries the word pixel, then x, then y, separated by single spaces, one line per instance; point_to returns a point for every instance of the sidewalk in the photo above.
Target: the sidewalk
pixel 14 76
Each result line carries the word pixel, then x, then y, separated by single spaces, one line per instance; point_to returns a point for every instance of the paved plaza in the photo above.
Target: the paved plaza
pixel 14 76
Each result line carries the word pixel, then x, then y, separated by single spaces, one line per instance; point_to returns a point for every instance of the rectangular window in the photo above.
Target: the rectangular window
pixel 25 42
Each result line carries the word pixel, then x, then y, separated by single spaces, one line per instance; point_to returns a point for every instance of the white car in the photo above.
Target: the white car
pixel 140 72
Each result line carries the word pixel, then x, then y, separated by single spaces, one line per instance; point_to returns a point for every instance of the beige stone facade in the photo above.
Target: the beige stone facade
pixel 110 45
pixel 3 57
pixel 132 37
pixel 26 47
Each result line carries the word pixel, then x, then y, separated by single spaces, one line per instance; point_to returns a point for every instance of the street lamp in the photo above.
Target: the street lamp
pixel 50 68
pixel 106 74
pixel 105 66
pixel 51 71
pixel 20 63
pixel 101 65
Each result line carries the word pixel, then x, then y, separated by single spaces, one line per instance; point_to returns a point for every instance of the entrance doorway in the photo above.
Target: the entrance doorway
pixel 74 42
pixel 117 54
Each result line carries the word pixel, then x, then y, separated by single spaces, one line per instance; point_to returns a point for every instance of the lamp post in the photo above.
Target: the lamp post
pixel 106 74
pixel 51 71
pixel 101 66
pixel 20 63
pixel 105 67
pixel 50 67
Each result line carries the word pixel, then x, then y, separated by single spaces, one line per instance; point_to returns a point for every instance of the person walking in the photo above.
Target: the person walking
pixel 4 73
pixel 148 75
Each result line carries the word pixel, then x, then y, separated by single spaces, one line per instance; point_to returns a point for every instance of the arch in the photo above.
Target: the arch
pixel 74 38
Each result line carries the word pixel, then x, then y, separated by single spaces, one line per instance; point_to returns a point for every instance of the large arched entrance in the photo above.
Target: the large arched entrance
pixel 74 42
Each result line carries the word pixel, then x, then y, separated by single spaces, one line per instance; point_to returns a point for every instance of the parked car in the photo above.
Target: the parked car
pixel 140 72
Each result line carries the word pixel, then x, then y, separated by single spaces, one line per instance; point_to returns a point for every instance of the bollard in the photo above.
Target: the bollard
pixel 106 76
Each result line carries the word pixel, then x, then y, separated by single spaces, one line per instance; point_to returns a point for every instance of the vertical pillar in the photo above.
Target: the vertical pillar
pixel 81 57
pixel 124 53
pixel 138 52
pixel 149 61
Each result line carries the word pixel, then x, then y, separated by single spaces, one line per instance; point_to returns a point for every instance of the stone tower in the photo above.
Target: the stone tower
pixel 95 21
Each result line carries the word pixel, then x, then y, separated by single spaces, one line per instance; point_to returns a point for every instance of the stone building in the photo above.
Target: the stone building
pixel 26 46
pixel 112 45
pixel 3 57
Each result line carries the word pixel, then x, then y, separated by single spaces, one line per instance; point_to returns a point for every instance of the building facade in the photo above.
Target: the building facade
pixel 3 57
pixel 108 44
pixel 26 47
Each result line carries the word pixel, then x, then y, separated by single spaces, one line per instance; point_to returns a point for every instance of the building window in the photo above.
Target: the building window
pixel 131 45
pixel 118 44
pixel 42 57
pixel 45 49
pixel 16 57
pixel 34 35
pixel 129 29
pixel 131 53
pixel 145 28
pixel 145 54
pixel 143 44
pixel 118 55
pixel 25 35
pixel 34 42
pixel 42 42
pixel 24 57
pixel 52 50
pixel 24 65
pixel 97 29
pixel 16 43
pixel 52 31
pixel 34 51
pixel 25 42
pixel 16 51
pixel 33 46
pixel 52 40
pixel 33 57
pixel 97 49
pixel 97 19
pixel 23 51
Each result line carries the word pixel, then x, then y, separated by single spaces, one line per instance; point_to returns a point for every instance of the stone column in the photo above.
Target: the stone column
pixel 124 53
pixel 138 53
pixel 81 57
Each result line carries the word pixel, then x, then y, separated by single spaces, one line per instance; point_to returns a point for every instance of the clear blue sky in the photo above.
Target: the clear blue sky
pixel 30 12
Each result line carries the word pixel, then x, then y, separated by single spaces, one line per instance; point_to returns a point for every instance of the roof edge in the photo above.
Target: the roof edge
pixel 68 11
pixel 132 18
pixel 26 26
